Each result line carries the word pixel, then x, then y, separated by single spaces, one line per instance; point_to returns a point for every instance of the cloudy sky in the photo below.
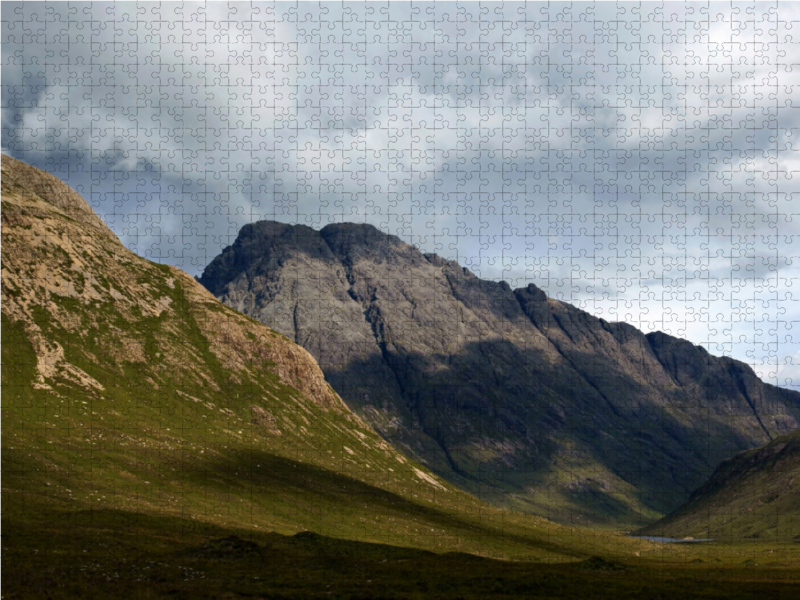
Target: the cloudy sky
pixel 637 161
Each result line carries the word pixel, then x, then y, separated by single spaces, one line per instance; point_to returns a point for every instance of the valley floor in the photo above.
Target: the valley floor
pixel 119 554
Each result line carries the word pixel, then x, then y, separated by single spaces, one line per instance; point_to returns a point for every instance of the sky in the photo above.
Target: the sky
pixel 637 161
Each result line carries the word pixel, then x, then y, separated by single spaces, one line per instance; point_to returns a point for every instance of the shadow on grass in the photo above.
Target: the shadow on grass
pixel 273 480
pixel 256 490
pixel 117 554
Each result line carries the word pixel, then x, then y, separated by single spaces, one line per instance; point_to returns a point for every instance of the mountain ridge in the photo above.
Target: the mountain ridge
pixel 411 329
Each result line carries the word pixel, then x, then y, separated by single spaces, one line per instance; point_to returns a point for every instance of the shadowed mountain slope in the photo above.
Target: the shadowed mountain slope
pixel 521 399
pixel 754 495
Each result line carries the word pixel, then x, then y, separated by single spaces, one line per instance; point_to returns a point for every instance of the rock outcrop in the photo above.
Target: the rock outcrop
pixel 521 399
pixel 34 186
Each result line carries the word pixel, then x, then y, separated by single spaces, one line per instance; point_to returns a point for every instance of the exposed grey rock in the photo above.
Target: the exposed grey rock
pixel 524 400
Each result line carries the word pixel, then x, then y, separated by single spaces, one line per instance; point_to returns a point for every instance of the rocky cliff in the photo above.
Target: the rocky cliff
pixel 524 400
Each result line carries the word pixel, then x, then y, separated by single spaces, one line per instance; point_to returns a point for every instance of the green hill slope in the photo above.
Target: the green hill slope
pixel 754 495
pixel 127 386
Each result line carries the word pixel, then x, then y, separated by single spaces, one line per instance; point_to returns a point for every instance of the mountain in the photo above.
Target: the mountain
pixel 754 495
pixel 156 443
pixel 130 392
pixel 523 400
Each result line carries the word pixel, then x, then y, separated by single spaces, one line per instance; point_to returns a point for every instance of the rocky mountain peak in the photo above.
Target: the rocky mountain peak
pixel 356 230
pixel 351 242
pixel 522 399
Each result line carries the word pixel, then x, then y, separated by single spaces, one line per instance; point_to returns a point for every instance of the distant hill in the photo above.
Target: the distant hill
pixel 523 400
pixel 754 495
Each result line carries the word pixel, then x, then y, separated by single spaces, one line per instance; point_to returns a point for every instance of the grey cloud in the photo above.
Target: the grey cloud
pixel 606 152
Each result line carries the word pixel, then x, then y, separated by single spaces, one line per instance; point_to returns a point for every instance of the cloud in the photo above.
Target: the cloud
pixel 637 161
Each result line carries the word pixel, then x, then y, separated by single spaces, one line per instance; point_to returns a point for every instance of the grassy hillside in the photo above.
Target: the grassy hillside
pixel 755 495
pixel 127 386
pixel 156 443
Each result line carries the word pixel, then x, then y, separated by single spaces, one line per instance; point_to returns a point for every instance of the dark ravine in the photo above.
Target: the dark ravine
pixel 521 399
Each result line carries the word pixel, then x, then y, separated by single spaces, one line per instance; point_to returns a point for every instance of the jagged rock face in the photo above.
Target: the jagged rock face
pixel 143 343
pixel 521 399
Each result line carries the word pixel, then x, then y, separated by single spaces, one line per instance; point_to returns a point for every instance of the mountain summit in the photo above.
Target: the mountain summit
pixel 521 399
